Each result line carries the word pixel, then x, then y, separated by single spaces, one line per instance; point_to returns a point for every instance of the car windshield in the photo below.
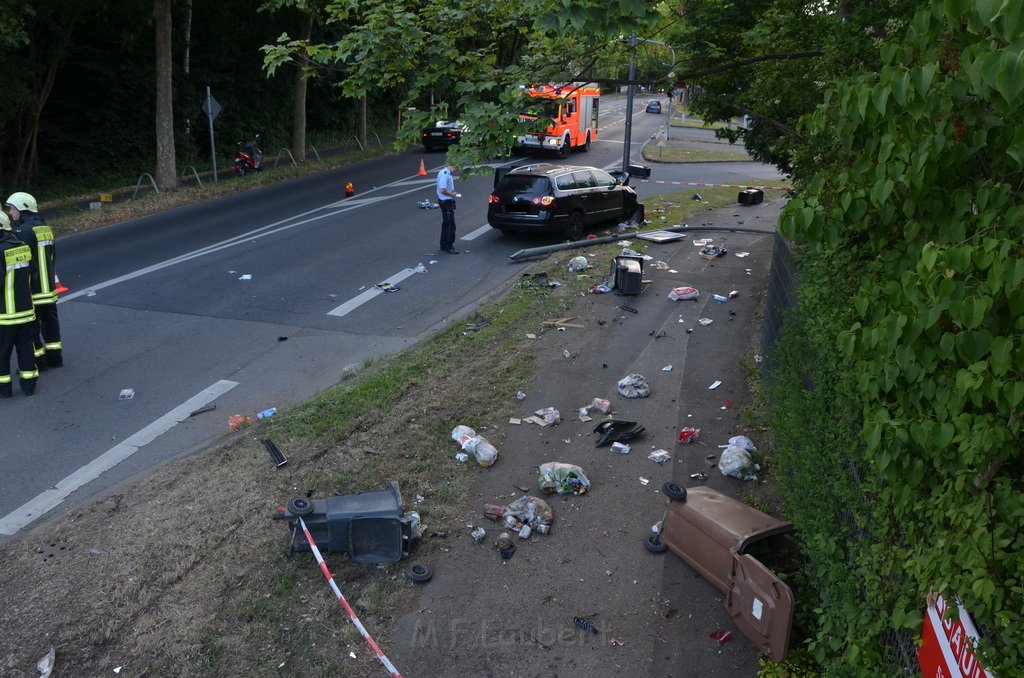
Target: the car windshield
pixel 519 184
pixel 540 108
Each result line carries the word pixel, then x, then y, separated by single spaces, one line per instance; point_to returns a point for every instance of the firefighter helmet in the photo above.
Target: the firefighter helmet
pixel 23 202
pixel 5 223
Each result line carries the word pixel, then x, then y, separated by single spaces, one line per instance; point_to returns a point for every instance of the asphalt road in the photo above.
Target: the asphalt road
pixel 159 305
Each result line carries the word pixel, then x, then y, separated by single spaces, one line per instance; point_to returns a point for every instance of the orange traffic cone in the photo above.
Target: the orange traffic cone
pixel 350 190
pixel 59 288
pixel 423 169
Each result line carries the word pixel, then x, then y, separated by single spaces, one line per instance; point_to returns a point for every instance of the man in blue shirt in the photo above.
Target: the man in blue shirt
pixel 446 196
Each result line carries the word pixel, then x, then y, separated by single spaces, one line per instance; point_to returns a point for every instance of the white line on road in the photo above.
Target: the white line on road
pixel 357 301
pixel 477 233
pixel 51 498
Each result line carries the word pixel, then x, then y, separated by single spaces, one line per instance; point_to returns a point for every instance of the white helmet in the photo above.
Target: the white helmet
pixel 23 202
pixel 5 223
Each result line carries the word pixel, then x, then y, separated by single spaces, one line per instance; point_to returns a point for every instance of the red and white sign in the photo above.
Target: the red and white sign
pixel 947 645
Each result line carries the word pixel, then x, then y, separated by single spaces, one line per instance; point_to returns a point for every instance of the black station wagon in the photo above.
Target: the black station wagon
pixel 563 199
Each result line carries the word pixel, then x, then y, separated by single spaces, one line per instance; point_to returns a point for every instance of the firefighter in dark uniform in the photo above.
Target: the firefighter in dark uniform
pixel 17 315
pixel 34 232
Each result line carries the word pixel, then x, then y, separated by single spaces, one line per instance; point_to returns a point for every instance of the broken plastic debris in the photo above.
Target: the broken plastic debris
pixel 634 386
pixel 666 368
pixel 478 534
pixel 715 384
pixel 703 242
pixel 46 662
pixel 601 288
pixel 722 637
pixel 520 395
pixel 420 268
pixel 683 293
pixel 621 448
pixel 461 456
pixel 659 456
pixel 719 298
pixel 705 321
pixel 644 481
pixel 387 287
pixel 742 254
pixel 578 264
pixel 712 252
pixel 688 434
pixel 126 394
pixel 245 276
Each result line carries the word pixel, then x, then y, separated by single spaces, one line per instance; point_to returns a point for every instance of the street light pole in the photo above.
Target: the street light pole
pixel 629 101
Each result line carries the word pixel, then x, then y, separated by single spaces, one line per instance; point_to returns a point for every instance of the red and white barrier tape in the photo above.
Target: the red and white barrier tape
pixel 691 183
pixel 344 603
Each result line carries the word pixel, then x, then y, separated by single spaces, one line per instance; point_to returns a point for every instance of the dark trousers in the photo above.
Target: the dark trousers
pixel 17 337
pixel 49 328
pixel 447 224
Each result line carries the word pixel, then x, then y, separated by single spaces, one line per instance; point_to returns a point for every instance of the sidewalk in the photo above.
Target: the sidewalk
pixel 483 616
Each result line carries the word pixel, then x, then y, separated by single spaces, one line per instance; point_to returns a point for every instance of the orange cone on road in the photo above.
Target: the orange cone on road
pixel 350 190
pixel 423 169
pixel 59 288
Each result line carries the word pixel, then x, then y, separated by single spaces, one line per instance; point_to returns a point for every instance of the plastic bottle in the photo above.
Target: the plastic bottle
pixel 269 412
pixel 476 445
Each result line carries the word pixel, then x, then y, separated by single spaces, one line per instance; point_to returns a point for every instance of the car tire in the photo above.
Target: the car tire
pixel 586 145
pixel 654 544
pixel 299 506
pixel 566 148
pixel 240 169
pixel 575 227
pixel 419 573
pixel 674 491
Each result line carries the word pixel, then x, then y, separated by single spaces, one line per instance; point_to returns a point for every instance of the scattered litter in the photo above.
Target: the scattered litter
pixel 585 418
pixel 719 298
pixel 506 547
pixel 634 386
pixel 621 448
pixel 428 205
pixel 688 435
pixel 601 288
pixel 520 395
pixel 722 637
pixel 237 421
pixel 615 642
pixel 666 368
pixel 562 323
pixel 478 534
pixel 713 252
pixel 702 242
pixel 628 309
pixel 126 394
pixel 599 404
pixel 715 384
pixel 644 481
pixel 478 323
pixel 660 456
pixel 432 262
pixel 578 264
pixel 559 478
pixel 266 414
pixel 282 338
pixel 246 276
pixel 420 268
pixel 699 476
pixel 475 444
pixel 91 293
pixel 683 293
pixel 617 430
pixel 461 456
pixel 705 321
pixel 696 196
pixel 275 454
pixel 627 252
pixel 46 663
pixel 515 421
pixel 387 287
pixel 117 669
pixel 550 415
pixel 742 254
pixel 737 463
pixel 530 335
pixel 565 353
pixel 525 512
pixel 758 358
pixel 727 405
pixel 351 655
pixel 660 265
pixel 711 460
pixel 584 625
pixel 734 294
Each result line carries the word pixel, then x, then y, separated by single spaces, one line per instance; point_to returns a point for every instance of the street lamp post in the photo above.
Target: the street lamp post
pixel 629 101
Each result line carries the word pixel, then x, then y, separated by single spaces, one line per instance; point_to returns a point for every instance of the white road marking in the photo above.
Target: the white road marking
pixel 357 301
pixel 477 233
pixel 51 498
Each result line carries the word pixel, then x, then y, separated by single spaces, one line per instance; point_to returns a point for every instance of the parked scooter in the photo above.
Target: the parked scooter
pixel 248 157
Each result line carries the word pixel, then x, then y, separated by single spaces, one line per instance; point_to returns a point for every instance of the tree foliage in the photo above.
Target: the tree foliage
pixel 910 186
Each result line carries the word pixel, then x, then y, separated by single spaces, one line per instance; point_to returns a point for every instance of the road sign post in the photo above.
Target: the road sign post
pixel 212 108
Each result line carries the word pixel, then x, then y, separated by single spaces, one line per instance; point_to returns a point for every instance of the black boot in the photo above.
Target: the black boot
pixel 54 358
pixel 28 386
pixel 6 391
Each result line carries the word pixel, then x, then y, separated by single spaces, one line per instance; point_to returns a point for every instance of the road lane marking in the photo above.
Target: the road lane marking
pixel 52 497
pixel 360 299
pixel 477 233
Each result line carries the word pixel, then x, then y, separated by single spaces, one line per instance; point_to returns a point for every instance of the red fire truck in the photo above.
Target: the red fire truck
pixel 572 110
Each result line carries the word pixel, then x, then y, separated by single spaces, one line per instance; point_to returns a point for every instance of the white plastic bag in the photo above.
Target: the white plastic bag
pixel 475 444
pixel 736 462
pixel 634 386
pixel 578 264
pixel 560 478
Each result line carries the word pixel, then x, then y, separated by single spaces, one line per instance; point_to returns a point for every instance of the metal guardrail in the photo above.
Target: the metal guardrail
pixel 139 183
pixel 313 148
pixel 358 143
pixel 194 173
pixel 290 156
